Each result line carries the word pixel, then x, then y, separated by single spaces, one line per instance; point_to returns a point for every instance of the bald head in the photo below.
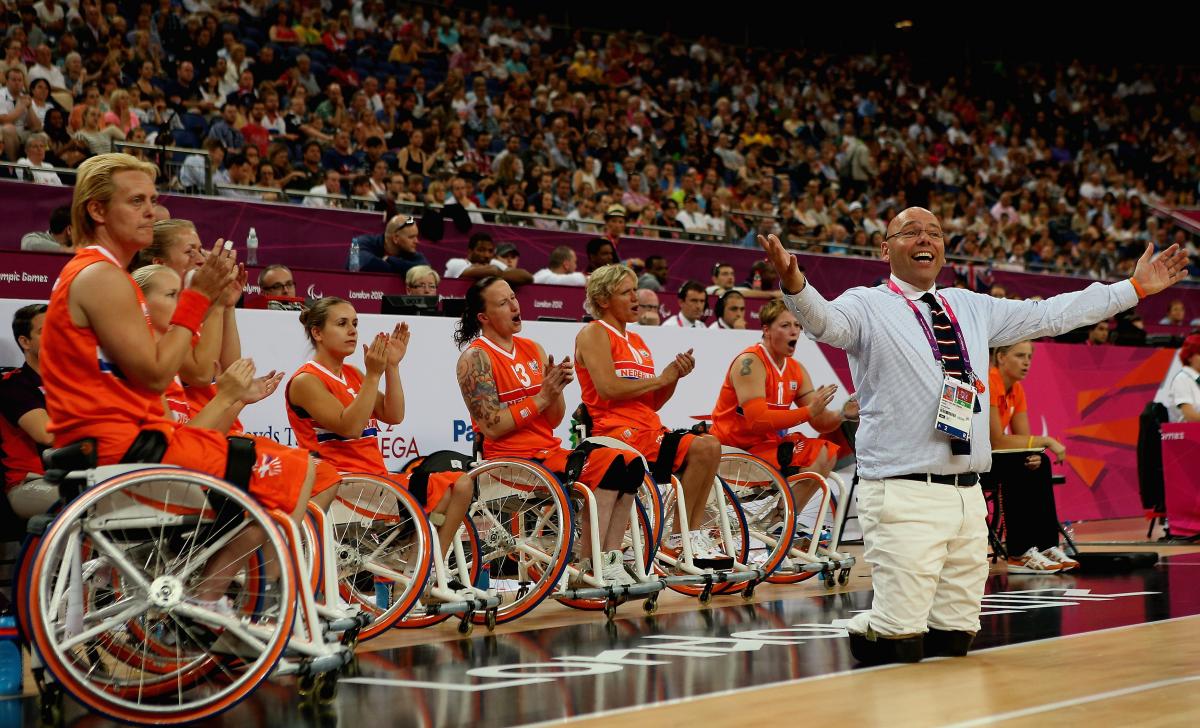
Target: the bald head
pixel 914 247
pixel 648 307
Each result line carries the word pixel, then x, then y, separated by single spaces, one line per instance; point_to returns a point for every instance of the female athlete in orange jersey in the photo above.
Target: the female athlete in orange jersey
pixel 176 245
pixel 236 385
pixel 623 396
pixel 514 394
pixel 754 408
pixel 334 409
pixel 104 373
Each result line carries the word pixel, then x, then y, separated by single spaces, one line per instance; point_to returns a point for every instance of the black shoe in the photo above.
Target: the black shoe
pixel 947 643
pixel 883 651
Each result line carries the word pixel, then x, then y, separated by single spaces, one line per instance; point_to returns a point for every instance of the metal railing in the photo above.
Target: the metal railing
pixel 25 172
pixel 171 160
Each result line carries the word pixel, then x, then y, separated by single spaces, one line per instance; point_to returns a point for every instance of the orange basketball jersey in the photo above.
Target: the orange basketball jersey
pixel 348 455
pixel 632 360
pixel 782 386
pixel 86 393
pixel 178 405
pixel 518 376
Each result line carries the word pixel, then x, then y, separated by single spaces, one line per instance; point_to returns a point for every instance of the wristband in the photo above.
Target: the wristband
pixel 191 310
pixel 523 411
pixel 1030 445
pixel 1137 288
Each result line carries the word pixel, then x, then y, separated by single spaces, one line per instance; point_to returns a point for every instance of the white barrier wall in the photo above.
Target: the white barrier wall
pixel 436 418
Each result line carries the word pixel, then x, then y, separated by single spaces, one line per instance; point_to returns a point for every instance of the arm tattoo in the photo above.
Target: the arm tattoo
pixel 746 366
pixel 479 388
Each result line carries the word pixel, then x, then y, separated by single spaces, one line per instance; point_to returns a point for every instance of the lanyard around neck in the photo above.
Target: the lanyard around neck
pixel 932 339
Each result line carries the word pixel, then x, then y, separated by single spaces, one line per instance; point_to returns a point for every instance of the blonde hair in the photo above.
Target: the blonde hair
pixel 94 182
pixel 118 95
pixel 420 271
pixel 603 281
pixel 142 276
pixel 166 232
pixel 771 311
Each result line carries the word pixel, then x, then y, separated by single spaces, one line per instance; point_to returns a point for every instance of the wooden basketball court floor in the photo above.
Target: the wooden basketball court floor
pixel 1074 649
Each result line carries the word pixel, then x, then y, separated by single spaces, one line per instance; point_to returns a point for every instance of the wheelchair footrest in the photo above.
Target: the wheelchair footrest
pixel 719 577
pixel 619 591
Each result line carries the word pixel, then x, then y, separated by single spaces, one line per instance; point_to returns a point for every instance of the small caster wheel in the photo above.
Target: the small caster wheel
pixel 308 686
pixel 650 606
pixel 327 691
pixel 610 609
pixel 829 580
pixel 706 596
pixel 51 705
pixel 843 576
pixel 490 619
pixel 748 592
pixel 352 669
pixel 465 626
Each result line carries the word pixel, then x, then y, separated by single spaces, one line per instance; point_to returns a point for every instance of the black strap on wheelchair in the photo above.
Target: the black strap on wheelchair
pixel 442 461
pixel 148 447
pixel 576 460
pixel 239 463
pixel 661 470
pixel 79 455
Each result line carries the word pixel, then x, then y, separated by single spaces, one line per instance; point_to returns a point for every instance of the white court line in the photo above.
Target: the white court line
pixel 1106 695
pixel 817 678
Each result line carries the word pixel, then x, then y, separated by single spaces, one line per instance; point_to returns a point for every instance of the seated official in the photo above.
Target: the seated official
pixel 1024 479
pixel 24 423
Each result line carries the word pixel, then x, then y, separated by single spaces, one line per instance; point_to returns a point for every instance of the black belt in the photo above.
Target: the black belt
pixel 962 480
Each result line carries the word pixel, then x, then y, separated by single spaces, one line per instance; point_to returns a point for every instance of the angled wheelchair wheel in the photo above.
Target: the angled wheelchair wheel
pixel 649 547
pixel 767 502
pixel 725 523
pixel 524 521
pixel 111 604
pixel 381 536
pixel 468 537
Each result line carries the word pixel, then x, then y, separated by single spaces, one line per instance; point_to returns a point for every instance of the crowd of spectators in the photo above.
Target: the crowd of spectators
pixel 1035 167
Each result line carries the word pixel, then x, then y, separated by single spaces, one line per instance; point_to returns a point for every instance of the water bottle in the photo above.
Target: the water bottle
pixel 756 281
pixel 11 669
pixel 355 263
pixel 383 593
pixel 252 248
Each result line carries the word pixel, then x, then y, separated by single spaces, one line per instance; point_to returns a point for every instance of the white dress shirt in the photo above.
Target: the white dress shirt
pixel 683 322
pixel 1185 389
pixel 898 381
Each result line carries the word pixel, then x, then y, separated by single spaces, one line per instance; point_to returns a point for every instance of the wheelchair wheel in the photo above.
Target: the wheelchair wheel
pixel 381 535
pixel 156 530
pixel 766 500
pixel 718 514
pixel 651 501
pixel 649 547
pixel 524 521
pixel 468 536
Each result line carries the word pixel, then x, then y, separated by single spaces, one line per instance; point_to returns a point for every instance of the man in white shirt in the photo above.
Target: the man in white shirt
pixel 692 219
pixel 35 158
pixel 481 262
pixel 45 68
pixel 1184 400
pixel 919 356
pixel 17 118
pixel 730 311
pixel 691 307
pixel 723 279
pixel 332 186
pixel 561 270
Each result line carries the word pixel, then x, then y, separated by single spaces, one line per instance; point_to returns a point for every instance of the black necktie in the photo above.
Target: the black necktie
pixel 952 358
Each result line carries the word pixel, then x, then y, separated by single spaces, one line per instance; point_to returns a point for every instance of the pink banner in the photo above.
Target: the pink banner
pixel 1089 398
pixel 1181 462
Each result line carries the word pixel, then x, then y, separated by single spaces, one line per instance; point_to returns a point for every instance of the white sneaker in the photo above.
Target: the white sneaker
pixel 1033 562
pixel 613 572
pixel 706 553
pixel 1057 555
pixel 221 606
